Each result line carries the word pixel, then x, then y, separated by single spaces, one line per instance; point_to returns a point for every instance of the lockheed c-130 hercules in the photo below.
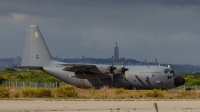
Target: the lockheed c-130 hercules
pixel 36 56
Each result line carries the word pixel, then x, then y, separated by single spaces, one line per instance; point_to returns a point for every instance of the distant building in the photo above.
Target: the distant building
pixel 116 52
pixel 57 58
pixel 83 57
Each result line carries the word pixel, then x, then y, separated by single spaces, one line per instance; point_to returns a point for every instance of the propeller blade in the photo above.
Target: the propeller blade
pixel 112 68
pixel 124 69
pixel 111 77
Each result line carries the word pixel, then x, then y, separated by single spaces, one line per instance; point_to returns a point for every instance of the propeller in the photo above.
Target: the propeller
pixel 124 69
pixel 112 68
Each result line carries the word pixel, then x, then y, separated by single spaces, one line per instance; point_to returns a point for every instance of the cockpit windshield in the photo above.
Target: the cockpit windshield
pixel 173 72
pixel 170 71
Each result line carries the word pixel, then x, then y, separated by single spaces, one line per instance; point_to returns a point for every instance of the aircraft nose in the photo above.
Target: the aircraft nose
pixel 179 81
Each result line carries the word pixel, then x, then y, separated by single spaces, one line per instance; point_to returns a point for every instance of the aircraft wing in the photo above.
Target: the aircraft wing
pixel 97 69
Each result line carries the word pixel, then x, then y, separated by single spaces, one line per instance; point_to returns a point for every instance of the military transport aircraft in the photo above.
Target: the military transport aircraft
pixel 36 56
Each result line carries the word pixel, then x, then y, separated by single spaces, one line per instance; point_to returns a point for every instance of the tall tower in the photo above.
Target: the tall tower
pixel 116 52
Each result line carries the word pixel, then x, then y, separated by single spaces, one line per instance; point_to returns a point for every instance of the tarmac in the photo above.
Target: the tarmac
pixel 98 106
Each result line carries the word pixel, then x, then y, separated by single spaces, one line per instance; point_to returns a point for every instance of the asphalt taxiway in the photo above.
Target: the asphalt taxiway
pixel 98 106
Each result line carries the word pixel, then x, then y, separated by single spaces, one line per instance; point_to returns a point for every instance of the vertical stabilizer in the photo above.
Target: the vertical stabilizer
pixel 35 52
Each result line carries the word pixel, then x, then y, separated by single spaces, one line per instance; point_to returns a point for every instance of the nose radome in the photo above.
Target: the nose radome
pixel 179 81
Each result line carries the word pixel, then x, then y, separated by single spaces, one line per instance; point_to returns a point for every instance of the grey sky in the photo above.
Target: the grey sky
pixel 164 29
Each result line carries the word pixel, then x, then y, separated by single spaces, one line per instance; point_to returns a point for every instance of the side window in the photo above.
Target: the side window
pixel 169 76
pixel 153 75
pixel 167 71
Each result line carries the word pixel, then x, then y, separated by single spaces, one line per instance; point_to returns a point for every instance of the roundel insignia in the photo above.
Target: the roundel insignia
pixel 36 35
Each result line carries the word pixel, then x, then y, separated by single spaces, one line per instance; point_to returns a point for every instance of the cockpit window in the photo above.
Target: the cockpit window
pixel 174 73
pixel 170 71
pixel 169 76
pixel 167 71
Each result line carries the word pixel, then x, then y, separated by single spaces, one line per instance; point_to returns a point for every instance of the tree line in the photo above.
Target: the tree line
pixel 191 78
pixel 10 74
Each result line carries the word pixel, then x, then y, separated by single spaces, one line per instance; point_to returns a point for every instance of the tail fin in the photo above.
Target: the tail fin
pixel 35 52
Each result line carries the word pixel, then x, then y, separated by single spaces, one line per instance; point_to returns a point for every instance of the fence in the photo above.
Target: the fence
pixel 185 87
pixel 56 84
pixel 32 84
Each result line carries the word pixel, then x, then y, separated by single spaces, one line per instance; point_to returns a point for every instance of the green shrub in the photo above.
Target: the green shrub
pixel 39 93
pixel 4 92
pixel 66 91
pixel 138 94
pixel 185 93
pixel 16 94
pixel 29 92
pixel 154 93
pixel 43 92
pixel 119 91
